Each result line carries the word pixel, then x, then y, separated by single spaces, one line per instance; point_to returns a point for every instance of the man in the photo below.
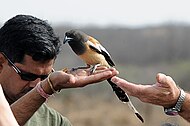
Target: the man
pixel 164 92
pixel 28 49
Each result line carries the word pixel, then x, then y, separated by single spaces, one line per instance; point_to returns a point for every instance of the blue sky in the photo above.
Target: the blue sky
pixel 99 12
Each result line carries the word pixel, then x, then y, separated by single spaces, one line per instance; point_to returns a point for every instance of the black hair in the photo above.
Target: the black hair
pixel 28 35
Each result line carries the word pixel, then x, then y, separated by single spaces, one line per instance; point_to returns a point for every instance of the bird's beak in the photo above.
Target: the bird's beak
pixel 67 39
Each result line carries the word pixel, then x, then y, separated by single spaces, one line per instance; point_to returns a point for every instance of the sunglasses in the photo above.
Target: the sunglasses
pixel 25 75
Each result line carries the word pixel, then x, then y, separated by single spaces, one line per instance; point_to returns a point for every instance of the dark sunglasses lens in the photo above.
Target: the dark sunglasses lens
pixel 43 77
pixel 28 77
pixel 32 77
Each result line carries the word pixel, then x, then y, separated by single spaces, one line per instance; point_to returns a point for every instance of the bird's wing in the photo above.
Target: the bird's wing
pixel 96 46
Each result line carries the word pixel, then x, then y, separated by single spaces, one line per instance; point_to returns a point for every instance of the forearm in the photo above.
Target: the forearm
pixel 26 106
pixel 6 115
pixel 185 111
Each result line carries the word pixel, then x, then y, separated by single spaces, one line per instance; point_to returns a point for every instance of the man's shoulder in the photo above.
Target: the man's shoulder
pixel 46 116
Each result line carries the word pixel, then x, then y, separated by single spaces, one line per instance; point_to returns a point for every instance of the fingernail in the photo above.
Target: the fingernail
pixel 114 79
pixel 112 68
pixel 117 72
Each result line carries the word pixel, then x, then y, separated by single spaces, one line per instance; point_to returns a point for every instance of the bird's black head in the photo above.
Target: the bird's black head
pixel 75 36
pixel 76 40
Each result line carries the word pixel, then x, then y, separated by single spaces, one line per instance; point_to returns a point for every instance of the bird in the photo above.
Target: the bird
pixel 94 54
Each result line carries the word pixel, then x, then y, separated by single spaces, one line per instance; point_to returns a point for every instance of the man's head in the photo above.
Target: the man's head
pixel 32 46
pixel 28 35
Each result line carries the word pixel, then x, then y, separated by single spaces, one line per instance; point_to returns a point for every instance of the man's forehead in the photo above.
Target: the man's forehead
pixel 28 60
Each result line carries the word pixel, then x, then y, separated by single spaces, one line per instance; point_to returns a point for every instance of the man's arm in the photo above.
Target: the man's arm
pixel 6 115
pixel 26 106
pixel 164 93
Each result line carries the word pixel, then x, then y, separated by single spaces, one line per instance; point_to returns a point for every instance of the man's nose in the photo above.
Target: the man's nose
pixel 34 83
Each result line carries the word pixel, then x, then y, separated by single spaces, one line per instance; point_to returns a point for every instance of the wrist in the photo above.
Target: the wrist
pixel 45 86
pixel 174 98
pixel 53 82
pixel 41 91
pixel 174 110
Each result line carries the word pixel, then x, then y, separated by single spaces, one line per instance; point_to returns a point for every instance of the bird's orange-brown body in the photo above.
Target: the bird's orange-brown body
pixel 91 57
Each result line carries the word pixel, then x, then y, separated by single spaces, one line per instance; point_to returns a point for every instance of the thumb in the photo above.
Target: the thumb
pixel 69 79
pixel 164 81
pixel 161 78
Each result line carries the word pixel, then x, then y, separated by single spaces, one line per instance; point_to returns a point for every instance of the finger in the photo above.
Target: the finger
pixel 81 81
pixel 130 88
pixel 97 77
pixel 113 70
pixel 121 82
pixel 101 68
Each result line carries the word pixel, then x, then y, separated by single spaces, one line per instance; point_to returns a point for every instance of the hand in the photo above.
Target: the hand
pixel 81 77
pixel 164 92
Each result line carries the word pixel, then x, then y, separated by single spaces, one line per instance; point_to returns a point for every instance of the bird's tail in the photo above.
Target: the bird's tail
pixel 124 98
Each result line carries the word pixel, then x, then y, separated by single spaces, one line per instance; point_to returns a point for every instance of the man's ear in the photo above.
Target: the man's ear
pixel 2 60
